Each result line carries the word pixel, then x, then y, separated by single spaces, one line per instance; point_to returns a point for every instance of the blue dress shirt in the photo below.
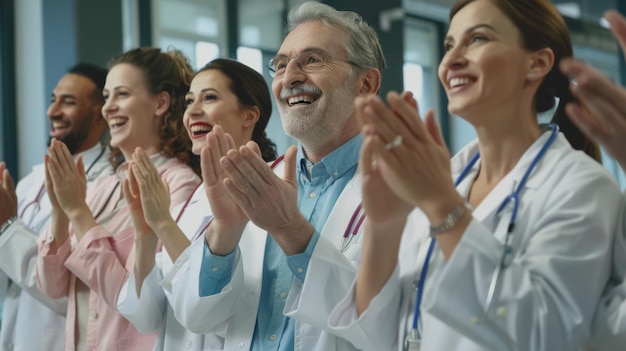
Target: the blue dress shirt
pixel 317 194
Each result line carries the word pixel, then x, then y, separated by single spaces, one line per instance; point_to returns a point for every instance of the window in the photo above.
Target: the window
pixel 195 27
pixel 260 35
pixel 421 60
pixel 251 57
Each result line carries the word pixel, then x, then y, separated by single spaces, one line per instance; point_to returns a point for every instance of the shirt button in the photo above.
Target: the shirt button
pixel 214 268
pixel 273 337
pixel 283 295
pixel 473 321
pixel 188 344
pixel 93 314
pixel 335 174
pixel 312 194
pixel 241 344
pixel 300 270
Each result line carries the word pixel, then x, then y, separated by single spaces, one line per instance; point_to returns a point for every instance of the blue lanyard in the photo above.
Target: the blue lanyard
pixel 508 250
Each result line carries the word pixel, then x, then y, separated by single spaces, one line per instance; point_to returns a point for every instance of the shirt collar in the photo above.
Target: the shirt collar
pixel 339 161
pixel 91 155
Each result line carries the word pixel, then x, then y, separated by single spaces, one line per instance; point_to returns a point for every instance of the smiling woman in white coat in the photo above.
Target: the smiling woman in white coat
pixel 507 247
pixel 225 96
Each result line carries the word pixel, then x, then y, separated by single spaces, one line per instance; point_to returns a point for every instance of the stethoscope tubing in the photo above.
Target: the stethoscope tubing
pixel 507 251
pixel 43 187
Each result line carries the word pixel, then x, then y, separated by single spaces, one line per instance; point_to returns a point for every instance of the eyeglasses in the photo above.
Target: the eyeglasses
pixel 308 62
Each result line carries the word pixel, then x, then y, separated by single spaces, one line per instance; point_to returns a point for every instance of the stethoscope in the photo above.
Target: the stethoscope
pixel 36 201
pixel 507 252
pixel 358 216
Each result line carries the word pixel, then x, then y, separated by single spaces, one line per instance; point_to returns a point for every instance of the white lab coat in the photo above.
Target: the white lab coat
pixel 564 229
pixel 32 321
pixel 232 312
pixel 609 327
pixel 314 300
pixel 151 311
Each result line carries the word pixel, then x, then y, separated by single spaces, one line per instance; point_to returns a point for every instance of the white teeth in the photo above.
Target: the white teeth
pixel 197 129
pixel 299 98
pixel 116 121
pixel 455 82
pixel 58 125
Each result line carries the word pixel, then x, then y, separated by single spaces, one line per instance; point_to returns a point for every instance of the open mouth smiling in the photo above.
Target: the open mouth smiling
pixel 300 100
pixel 199 130
pixel 117 122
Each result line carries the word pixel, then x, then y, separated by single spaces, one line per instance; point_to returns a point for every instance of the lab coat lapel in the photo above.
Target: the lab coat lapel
pixel 343 210
pixel 486 211
pixel 40 171
pixel 490 204
pixel 252 243
pixel 197 195
pixel 37 214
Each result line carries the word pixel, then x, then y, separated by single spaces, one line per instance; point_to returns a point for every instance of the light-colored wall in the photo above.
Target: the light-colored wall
pixel 50 37
pixel 30 76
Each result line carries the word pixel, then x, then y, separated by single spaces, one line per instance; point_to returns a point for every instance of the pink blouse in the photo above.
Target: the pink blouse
pixel 101 261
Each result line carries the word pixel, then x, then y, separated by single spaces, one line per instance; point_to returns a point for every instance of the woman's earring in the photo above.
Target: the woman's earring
pixel 531 76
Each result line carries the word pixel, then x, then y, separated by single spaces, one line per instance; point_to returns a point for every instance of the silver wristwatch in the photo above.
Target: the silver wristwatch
pixel 450 220
pixel 7 224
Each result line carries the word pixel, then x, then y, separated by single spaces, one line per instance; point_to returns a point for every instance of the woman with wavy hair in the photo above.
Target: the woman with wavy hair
pixel 84 255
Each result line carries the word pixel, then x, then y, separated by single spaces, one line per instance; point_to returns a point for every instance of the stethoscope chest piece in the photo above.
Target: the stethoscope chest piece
pixel 412 343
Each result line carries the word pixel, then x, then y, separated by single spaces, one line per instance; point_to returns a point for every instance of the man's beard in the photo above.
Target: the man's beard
pixel 72 142
pixel 75 138
pixel 324 123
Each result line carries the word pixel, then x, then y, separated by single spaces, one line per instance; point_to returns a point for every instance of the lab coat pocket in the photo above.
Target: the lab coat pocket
pixel 307 337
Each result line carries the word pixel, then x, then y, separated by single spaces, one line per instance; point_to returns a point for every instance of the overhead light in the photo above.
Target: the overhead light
pixel 569 9
pixel 604 23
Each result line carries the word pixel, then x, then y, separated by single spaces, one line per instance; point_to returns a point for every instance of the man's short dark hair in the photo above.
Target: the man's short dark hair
pixel 94 73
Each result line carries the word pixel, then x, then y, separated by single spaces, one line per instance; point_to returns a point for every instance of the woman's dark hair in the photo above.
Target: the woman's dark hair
pixel 251 90
pixel 541 26
pixel 168 72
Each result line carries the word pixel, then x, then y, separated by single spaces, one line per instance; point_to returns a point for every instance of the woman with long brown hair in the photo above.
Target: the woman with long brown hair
pixel 84 254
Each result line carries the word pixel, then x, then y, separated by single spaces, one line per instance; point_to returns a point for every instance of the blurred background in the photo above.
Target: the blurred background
pixel 40 39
